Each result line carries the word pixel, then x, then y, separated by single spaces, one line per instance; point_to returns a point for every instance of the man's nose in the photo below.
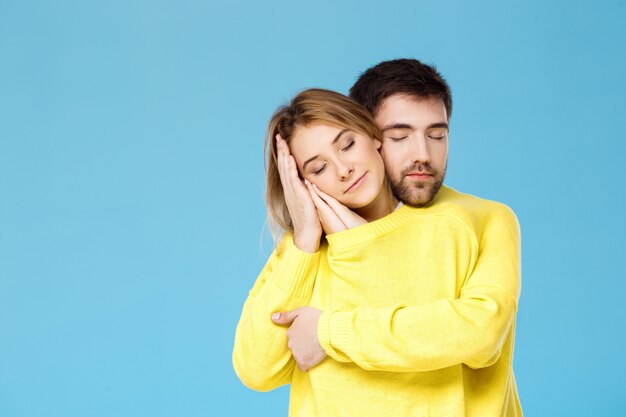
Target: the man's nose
pixel 420 151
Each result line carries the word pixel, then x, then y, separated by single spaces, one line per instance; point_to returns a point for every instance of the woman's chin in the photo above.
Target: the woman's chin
pixel 355 205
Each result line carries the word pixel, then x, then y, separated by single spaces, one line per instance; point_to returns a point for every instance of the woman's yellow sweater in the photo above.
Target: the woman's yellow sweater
pixel 419 315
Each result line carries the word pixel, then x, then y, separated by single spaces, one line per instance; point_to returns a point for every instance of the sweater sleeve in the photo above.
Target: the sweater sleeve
pixel 261 357
pixel 470 329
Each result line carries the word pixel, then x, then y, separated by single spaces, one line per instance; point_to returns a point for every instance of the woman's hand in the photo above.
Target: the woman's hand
pixel 329 219
pixel 335 217
pixel 307 229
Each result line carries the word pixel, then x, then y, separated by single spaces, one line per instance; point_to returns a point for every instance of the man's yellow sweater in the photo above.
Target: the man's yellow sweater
pixel 419 315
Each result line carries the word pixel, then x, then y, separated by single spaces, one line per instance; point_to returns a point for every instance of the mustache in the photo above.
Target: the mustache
pixel 421 168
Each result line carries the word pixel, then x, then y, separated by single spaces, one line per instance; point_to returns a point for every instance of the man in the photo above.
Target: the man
pixel 457 342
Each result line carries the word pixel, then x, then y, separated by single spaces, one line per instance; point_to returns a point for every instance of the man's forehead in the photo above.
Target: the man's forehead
pixel 409 100
pixel 403 108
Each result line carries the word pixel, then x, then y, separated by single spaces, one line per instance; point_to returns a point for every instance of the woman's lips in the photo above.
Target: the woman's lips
pixel 356 184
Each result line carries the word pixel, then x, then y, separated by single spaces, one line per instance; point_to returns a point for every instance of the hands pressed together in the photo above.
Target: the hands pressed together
pixel 312 211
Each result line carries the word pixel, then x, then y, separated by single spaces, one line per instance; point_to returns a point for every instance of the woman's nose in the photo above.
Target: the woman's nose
pixel 345 171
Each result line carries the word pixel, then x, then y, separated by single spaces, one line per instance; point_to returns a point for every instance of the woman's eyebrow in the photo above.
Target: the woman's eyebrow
pixel 307 161
pixel 338 136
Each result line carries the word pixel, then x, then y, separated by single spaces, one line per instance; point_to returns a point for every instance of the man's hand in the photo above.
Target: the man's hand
pixel 302 335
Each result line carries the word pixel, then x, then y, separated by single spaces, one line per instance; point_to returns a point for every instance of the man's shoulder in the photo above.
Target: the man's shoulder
pixel 472 209
pixel 451 195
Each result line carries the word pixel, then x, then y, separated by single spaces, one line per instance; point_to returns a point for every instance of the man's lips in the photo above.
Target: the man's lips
pixel 356 184
pixel 419 175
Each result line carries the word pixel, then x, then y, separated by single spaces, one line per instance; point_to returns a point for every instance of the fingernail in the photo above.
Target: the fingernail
pixel 306 181
pixel 275 316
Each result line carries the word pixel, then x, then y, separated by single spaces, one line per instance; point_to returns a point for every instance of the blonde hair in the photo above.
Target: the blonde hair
pixel 312 105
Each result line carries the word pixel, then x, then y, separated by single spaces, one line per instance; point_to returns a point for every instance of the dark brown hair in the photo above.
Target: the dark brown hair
pixel 400 76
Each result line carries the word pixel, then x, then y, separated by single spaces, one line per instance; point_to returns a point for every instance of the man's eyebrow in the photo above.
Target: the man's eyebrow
pixel 408 126
pixel 333 142
pixel 397 126
pixel 438 125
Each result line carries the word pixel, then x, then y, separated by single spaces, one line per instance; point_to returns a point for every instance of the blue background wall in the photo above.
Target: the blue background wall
pixel 131 185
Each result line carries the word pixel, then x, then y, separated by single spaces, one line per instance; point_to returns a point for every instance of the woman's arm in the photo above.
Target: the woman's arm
pixel 261 357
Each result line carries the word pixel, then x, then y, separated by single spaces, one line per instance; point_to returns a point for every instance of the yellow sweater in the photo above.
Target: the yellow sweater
pixel 419 315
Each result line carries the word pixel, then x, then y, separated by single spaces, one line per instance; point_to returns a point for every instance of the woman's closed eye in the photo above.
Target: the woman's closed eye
pixel 348 146
pixel 319 171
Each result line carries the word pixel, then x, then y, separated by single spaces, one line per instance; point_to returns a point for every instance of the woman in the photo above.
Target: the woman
pixel 324 176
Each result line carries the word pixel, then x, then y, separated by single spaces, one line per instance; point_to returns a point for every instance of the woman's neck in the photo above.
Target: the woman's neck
pixel 385 203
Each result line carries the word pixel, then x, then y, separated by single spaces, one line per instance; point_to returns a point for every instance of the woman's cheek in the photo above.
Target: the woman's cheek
pixel 324 187
pixel 329 189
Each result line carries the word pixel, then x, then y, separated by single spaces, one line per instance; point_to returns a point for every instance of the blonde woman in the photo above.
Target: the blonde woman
pixel 324 176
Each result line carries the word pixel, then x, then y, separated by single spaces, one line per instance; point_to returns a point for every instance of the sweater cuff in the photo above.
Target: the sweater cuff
pixel 296 271
pixel 333 330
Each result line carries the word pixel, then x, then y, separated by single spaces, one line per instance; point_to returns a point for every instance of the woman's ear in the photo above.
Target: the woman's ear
pixel 377 143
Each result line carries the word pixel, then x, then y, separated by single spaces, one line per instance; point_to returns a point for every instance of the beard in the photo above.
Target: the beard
pixel 416 193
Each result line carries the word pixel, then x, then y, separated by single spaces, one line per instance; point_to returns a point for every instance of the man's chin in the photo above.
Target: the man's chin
pixel 416 195
pixel 419 199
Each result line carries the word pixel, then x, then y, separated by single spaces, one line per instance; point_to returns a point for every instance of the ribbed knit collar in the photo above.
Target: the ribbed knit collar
pixel 377 228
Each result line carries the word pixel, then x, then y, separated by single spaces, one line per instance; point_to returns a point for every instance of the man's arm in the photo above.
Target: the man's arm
pixel 261 357
pixel 469 330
